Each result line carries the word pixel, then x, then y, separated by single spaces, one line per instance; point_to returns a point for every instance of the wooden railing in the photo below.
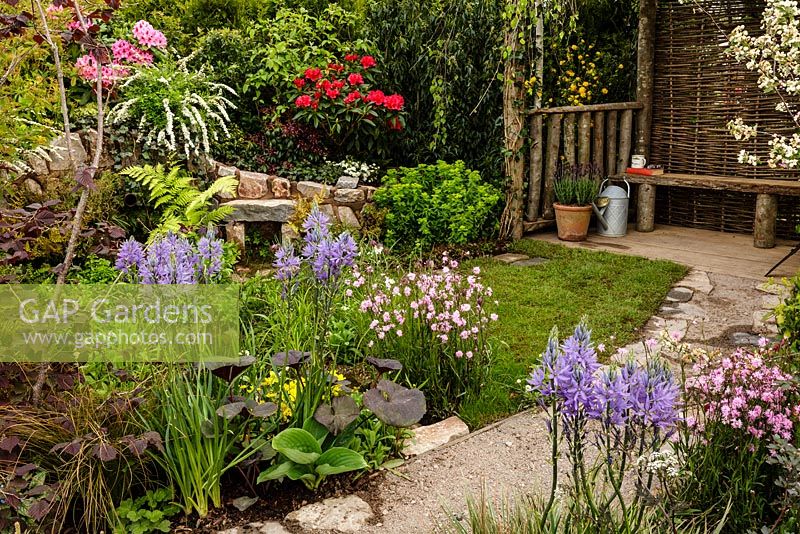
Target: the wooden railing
pixel 602 134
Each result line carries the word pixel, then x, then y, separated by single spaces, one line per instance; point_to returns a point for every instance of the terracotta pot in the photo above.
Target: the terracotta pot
pixel 572 221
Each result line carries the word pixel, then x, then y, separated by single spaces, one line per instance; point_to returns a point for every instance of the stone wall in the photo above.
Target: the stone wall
pixel 267 198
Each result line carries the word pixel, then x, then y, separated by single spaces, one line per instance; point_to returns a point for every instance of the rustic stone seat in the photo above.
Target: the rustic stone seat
pixel 767 192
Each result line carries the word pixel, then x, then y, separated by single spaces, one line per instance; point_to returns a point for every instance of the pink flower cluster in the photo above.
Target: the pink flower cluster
pixel 743 392
pixel 123 53
pixel 148 36
pixel 442 304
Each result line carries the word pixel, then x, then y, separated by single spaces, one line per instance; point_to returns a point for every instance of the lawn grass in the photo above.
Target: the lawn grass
pixel 617 294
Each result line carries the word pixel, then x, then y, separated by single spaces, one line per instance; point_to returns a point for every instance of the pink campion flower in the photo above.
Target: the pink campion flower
pixel 53 10
pixel 601 347
pixel 399 333
pixel 459 353
pixel 763 342
pixel 676 336
pixel 144 32
pixel 651 343
pixel 469 354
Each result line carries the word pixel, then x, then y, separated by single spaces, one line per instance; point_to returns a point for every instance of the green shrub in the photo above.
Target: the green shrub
pixel 149 513
pixel 437 204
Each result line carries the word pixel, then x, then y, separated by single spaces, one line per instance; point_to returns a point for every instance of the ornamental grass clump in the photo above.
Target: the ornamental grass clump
pixel 621 416
pixel 434 321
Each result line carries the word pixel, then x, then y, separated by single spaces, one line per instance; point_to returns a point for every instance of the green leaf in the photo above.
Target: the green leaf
pixel 339 460
pixel 298 445
pixel 275 472
pixel 301 472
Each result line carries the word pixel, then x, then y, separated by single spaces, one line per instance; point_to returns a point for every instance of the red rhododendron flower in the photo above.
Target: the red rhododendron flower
pixel 314 104
pixel 299 82
pixel 332 93
pixel 376 97
pixel 395 123
pixel 324 85
pixel 338 84
pixel 303 101
pixel 313 74
pixel 352 57
pixel 352 97
pixel 335 67
pixel 355 79
pixel 368 61
pixel 394 102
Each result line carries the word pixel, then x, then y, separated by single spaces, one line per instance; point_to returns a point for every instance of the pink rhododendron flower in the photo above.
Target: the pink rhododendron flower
pixel 144 32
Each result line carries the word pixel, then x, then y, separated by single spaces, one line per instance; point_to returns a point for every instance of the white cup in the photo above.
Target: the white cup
pixel 638 161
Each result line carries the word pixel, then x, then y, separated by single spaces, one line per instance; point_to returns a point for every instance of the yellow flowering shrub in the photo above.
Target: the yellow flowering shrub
pixel 578 76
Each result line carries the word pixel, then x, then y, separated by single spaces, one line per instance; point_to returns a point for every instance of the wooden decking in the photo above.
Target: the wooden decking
pixel 731 254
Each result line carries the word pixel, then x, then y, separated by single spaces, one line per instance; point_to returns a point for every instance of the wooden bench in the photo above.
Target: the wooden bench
pixel 766 201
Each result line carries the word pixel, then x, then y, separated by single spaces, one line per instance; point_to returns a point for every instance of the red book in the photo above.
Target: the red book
pixel 645 172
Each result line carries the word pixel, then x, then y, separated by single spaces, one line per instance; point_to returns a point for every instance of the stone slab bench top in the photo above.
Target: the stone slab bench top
pixel 267 210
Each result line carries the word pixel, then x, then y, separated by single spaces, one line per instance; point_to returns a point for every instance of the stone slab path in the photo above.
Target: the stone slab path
pixel 511 457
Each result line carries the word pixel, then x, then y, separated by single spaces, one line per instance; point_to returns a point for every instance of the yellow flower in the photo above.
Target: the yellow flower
pixel 573 87
pixel 604 91
pixel 582 91
pixel 586 84
pixel 570 73
pixel 580 57
pixel 574 47
pixel 620 66
pixel 561 62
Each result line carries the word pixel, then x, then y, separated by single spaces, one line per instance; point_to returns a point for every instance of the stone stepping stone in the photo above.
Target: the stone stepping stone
pixel 340 514
pixel 697 281
pixel 427 438
pixel 259 527
pixel 530 262
pixel 680 294
pixel 511 257
pixel 744 339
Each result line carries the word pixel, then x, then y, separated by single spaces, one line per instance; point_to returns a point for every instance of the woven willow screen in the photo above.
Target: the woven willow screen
pixel 697 90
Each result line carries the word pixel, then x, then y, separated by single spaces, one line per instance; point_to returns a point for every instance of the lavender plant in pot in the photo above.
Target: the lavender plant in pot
pixel 575 187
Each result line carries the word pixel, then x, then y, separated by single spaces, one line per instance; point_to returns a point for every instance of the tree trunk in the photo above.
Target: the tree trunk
pixel 513 122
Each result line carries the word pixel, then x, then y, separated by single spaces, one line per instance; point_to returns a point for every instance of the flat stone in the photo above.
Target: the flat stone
pixel 347 182
pixel 32 186
pixel 674 327
pixel 253 185
pixel 427 438
pixel 281 188
pixel 763 323
pixel 269 210
pixel 38 164
pixel 257 527
pixel 369 191
pixel 744 339
pixel 327 209
pixel 530 262
pixel 680 294
pixel 348 217
pixel 234 233
pixel 60 158
pixel 226 170
pixel 288 234
pixel 697 281
pixel 770 302
pixel 348 196
pixel 341 514
pixel 683 310
pixel 313 190
pixel 510 257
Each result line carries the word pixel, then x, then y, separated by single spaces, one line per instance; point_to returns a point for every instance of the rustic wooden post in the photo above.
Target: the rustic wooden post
pixel 551 165
pixel 584 138
pixel 625 140
pixel 644 75
pixel 611 142
pixel 535 174
pixel 766 217
pixel 646 203
pixel 536 124
pixel 598 133
pixel 569 138
pixel 513 125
